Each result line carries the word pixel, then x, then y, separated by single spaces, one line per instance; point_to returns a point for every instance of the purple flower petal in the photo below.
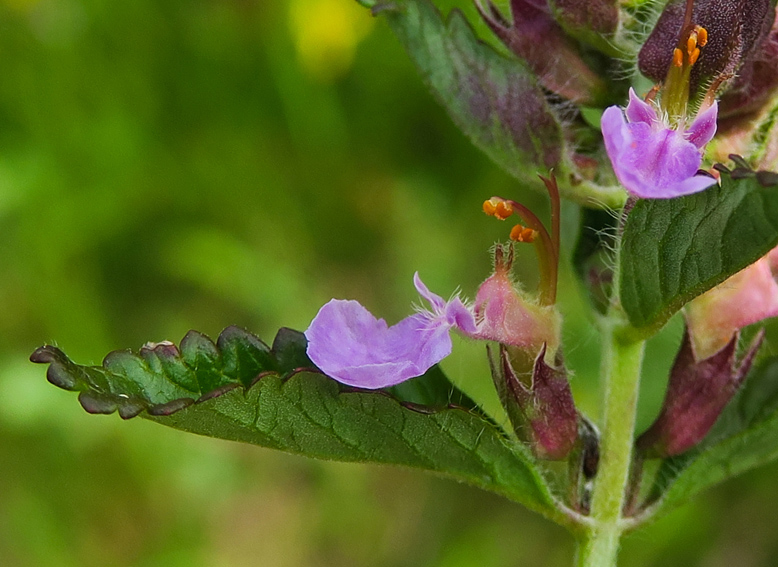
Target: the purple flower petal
pixel 640 111
pixel 688 186
pixel 703 128
pixel 651 160
pixel 437 302
pixel 456 313
pixel 613 124
pixel 349 344
pixel 461 316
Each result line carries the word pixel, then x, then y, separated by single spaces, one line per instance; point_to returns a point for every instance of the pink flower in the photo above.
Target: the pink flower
pixel 350 345
pixel 748 297
pixel 506 317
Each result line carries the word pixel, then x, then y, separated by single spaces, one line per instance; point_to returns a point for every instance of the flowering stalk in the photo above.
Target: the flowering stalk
pixel 622 359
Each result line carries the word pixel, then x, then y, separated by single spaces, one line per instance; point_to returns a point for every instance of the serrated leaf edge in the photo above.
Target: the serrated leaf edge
pixel 63 373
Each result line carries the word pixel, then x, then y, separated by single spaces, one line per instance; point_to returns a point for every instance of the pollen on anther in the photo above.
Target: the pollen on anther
pixel 521 233
pixel 503 210
pixel 702 36
pixel 678 58
pixel 498 208
pixel 691 44
pixel 694 55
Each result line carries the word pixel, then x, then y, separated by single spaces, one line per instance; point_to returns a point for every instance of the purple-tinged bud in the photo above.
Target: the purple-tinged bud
pixel 539 40
pixel 542 410
pixel 757 79
pixel 698 391
pixel 583 18
pixel 735 30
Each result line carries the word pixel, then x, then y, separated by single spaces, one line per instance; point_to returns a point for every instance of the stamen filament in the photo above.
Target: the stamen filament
pixel 675 95
pixel 687 17
pixel 556 213
pixel 547 255
pixel 547 245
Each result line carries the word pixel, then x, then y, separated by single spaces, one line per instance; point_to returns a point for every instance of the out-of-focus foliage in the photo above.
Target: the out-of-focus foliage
pixel 175 165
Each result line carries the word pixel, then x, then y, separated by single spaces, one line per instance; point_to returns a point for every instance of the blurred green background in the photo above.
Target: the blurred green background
pixel 167 165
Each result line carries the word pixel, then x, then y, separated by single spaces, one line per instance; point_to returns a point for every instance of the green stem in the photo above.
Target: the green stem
pixel 622 359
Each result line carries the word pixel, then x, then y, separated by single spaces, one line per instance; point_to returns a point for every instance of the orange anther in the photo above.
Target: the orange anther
pixel 503 210
pixel 702 36
pixel 523 234
pixel 694 55
pixel 691 43
pixel 496 207
pixel 678 57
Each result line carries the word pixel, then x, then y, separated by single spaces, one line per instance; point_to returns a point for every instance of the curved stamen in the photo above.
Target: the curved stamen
pixel 545 246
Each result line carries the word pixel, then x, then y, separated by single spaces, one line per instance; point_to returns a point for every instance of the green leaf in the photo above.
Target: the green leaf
pixel 676 249
pixel 241 390
pixel 432 390
pixel 744 437
pixel 492 98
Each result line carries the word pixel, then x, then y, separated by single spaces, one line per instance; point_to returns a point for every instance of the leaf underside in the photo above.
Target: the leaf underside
pixel 676 249
pixel 241 390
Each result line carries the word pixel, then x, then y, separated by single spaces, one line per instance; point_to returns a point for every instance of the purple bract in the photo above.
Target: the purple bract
pixel 652 160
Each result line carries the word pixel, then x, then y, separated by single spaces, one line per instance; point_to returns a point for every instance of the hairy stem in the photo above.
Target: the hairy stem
pixel 621 363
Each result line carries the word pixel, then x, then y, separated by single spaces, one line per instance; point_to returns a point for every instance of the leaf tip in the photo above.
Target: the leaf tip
pixel 46 354
pixel 57 373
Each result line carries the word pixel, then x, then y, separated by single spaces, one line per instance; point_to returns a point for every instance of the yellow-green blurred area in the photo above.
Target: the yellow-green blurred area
pixel 167 165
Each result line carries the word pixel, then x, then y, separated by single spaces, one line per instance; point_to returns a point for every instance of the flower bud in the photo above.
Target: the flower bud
pixel 539 40
pixel 698 391
pixel 735 29
pixel 539 403
pixel 757 79
pixel 587 17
